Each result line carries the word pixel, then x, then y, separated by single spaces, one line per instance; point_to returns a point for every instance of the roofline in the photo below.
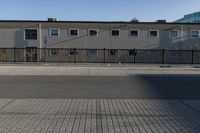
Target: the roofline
pixel 97 22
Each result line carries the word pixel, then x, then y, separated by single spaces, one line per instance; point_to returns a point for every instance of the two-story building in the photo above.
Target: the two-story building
pixel 98 35
pixel 30 38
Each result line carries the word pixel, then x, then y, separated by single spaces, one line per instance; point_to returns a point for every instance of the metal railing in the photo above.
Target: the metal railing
pixel 73 55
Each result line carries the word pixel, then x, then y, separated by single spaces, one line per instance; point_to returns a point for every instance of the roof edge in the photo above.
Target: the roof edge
pixel 98 22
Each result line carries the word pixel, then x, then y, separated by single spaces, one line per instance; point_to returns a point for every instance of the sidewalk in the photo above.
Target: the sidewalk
pixel 99 116
pixel 95 70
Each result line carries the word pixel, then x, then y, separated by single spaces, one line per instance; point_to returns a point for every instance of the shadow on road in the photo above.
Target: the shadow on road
pixel 141 86
pixel 171 86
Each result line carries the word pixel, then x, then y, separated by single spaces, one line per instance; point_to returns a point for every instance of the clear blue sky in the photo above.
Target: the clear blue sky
pixel 97 10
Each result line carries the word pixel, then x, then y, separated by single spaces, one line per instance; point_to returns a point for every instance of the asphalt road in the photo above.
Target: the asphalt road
pixel 102 87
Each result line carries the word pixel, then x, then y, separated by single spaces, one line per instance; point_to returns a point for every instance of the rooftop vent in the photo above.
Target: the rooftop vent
pixel 52 19
pixel 161 21
pixel 134 20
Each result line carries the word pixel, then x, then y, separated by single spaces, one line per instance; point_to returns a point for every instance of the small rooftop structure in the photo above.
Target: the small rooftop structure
pixel 161 21
pixel 134 20
pixel 52 19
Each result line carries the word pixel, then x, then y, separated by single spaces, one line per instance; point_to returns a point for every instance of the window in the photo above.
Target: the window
pixel 194 33
pixel 93 32
pixel 115 33
pixel 113 52
pixel 134 33
pixel 73 32
pixel 54 32
pixel 153 33
pixel 173 34
pixel 53 51
pixel 30 34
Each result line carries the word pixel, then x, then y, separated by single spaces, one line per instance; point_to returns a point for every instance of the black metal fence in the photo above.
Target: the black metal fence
pixel 67 55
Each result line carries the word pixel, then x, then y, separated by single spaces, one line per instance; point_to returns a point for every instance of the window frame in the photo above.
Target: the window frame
pixel 30 29
pixel 193 31
pixel 54 29
pixel 170 35
pixel 95 30
pixel 154 36
pixel 114 30
pixel 134 30
pixel 73 35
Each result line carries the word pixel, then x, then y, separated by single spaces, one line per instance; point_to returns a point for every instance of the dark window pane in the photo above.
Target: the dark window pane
pixel 28 36
pixel 174 33
pixel 93 32
pixel 31 34
pixel 115 32
pixel 153 33
pixel 54 32
pixel 74 32
pixel 134 33
pixel 195 34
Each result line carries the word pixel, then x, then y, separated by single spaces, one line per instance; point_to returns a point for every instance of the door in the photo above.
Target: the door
pixel 31 54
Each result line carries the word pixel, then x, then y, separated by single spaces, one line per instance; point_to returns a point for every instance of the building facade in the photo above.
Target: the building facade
pixel 99 35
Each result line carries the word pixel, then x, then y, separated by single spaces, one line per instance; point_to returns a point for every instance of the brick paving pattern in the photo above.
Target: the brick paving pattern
pixel 99 116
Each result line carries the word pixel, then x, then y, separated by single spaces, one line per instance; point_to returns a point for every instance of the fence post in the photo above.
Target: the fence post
pixel 134 55
pixel 104 55
pixel 24 53
pixel 192 56
pixel 163 56
pixel 14 55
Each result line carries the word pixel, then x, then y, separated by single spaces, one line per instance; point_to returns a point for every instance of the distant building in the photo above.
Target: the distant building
pixel 190 18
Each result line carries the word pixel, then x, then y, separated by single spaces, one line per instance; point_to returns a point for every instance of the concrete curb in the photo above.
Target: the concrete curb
pixel 103 65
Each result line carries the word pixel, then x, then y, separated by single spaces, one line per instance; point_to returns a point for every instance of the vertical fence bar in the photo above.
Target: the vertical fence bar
pixel 163 56
pixel 14 54
pixel 134 55
pixel 24 55
pixel 104 55
pixel 192 52
pixel 5 58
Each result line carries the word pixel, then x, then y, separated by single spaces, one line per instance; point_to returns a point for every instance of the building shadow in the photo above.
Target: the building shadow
pixel 139 86
pixel 164 86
